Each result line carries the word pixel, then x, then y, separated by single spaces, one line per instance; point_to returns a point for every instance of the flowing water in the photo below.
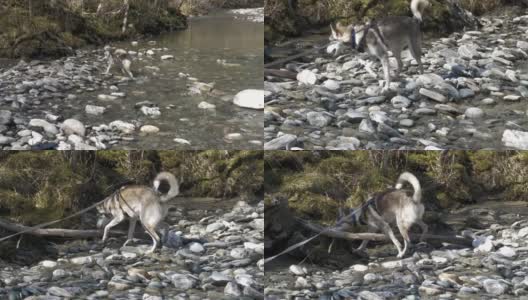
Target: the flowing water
pixel 220 36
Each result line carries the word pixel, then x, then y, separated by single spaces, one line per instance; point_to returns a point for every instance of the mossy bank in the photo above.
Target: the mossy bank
pixel 317 183
pixel 36 29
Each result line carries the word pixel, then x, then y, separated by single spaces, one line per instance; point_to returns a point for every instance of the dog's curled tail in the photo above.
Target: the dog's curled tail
pixel 174 189
pixel 410 178
pixel 418 7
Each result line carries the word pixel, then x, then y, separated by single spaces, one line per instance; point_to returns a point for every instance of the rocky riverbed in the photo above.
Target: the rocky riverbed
pixel 185 94
pixel 494 268
pixel 472 95
pixel 206 255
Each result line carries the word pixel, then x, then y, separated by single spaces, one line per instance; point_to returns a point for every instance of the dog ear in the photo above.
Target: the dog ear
pixel 335 31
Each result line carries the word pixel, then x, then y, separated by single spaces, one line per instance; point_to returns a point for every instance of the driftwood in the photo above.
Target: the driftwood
pixel 293 57
pixel 280 73
pixel 54 232
pixel 380 237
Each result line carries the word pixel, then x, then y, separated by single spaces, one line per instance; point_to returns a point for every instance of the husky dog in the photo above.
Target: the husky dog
pixel 121 58
pixel 138 202
pixel 392 206
pixel 387 34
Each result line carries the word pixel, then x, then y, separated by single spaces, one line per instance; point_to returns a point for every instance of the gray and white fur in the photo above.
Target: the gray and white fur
pixel 394 206
pixel 120 58
pixel 394 34
pixel 138 202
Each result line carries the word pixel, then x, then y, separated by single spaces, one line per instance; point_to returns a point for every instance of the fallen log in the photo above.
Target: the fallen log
pixel 54 232
pixel 333 233
pixel 280 73
pixel 294 57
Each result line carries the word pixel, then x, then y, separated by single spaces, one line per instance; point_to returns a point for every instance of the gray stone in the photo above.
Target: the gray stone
pixel 318 119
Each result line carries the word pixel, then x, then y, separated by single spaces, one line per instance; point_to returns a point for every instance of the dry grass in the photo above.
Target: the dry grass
pixel 479 7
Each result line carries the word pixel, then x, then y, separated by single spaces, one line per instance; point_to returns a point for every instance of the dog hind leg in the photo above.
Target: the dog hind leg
pixel 131 229
pixel 424 228
pixel 404 230
pixel 154 235
pixel 385 227
pixel 116 220
pixel 415 47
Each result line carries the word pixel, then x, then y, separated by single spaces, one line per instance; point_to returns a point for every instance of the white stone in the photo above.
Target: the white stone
pixel 474 113
pixel 149 129
pixel 73 126
pixel 206 105
pixel 250 98
pixel 166 57
pixel 307 77
pixel 515 139
pixel 182 141
pixel 122 126
pixel 94 110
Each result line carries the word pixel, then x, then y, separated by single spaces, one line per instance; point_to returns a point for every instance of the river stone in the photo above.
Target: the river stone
pixel 206 105
pixel 214 227
pixel 507 252
pixel 468 51
pixel 515 139
pixel 512 98
pixel 318 119
pixel 298 270
pixel 167 57
pixel 149 129
pixel 73 126
pixel 82 260
pixel 197 248
pixel 5 140
pixel 332 85
pixel 48 263
pixel 182 141
pixel 5 117
pixel 231 289
pixel 182 282
pixel 307 77
pixel 124 127
pixel 494 287
pixel 48 127
pixel 400 101
pixel 522 45
pixel 103 97
pixel 474 113
pixel 94 110
pixel 150 111
pixel 57 291
pixel 281 143
pixel 433 95
pixel 250 98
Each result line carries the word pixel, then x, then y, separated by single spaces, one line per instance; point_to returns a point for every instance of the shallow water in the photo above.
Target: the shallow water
pixel 196 51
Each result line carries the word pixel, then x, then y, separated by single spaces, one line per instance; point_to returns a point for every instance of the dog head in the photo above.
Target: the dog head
pixel 345 34
pixel 102 217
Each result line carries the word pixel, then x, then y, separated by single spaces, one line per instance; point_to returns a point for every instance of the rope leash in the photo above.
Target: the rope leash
pixel 293 247
pixel 52 222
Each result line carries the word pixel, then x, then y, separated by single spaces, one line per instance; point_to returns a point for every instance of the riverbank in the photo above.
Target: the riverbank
pixel 183 95
pixel 493 269
pixel 471 96
pixel 205 255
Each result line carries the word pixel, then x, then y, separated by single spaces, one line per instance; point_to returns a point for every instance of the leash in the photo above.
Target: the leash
pixel 293 247
pixel 52 222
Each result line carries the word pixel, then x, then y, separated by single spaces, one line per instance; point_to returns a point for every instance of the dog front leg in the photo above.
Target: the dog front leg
pixel 116 220
pixel 385 227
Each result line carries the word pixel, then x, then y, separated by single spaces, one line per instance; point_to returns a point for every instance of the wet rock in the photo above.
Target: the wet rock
pixel 515 139
pixel 231 289
pixel 318 119
pixel 124 127
pixel 48 127
pixel 298 270
pixel 167 57
pixel 182 282
pixel 205 105
pixel 307 77
pixel 400 102
pixel 494 287
pixel 474 113
pixel 281 142
pixel 73 126
pixel 250 99
pixel 150 111
pixel 433 95
pixel 94 110
pixel 5 117
pixel 149 129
